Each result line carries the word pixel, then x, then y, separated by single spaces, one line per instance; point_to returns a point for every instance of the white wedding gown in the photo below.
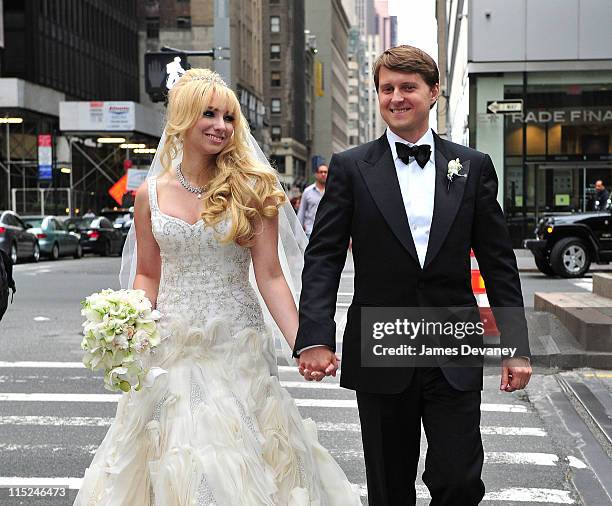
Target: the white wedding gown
pixel 217 429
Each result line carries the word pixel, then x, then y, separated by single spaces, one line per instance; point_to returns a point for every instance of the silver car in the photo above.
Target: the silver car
pixel 53 237
pixel 16 239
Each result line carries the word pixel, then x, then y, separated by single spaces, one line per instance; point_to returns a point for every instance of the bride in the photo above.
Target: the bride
pixel 216 428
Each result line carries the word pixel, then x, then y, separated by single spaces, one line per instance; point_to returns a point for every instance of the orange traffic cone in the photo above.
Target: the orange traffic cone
pixel 480 292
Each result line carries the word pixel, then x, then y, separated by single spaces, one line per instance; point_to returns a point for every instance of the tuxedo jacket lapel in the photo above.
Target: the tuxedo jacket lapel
pixel 380 176
pixel 447 199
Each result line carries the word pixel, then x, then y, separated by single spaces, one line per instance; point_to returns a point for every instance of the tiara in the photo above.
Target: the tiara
pixel 213 77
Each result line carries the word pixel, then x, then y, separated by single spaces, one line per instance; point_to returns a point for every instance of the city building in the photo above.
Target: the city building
pixel 377 31
pixel 69 76
pixel 310 52
pixel 285 92
pixel 190 25
pixel 329 23
pixel 356 118
pixel 531 85
pixel 386 26
pixel 442 104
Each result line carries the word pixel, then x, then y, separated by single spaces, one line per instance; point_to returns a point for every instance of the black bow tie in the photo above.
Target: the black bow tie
pixel 419 153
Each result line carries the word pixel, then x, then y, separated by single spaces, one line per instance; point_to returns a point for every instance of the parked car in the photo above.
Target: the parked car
pixel 16 239
pixel 53 237
pixel 97 235
pixel 567 244
pixel 121 218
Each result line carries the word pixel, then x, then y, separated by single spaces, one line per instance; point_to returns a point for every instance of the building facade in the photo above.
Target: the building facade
pixel 386 26
pixel 378 31
pixel 190 25
pixel 329 23
pixel 533 90
pixel 69 52
pixel 284 65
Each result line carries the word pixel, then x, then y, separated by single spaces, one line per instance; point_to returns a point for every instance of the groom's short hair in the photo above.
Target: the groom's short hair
pixel 408 59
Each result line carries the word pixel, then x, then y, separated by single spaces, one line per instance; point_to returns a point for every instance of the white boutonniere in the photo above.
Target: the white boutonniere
pixel 454 170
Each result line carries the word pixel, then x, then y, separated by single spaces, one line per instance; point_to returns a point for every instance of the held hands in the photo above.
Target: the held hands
pixel 516 373
pixel 316 363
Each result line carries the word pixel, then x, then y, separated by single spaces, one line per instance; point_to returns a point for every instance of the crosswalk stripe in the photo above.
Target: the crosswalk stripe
pixel 36 397
pixel 57 421
pixel 95 421
pixel 518 494
pixel 504 408
pixel 326 403
pixel 18 481
pixel 58 449
pixel 505 458
pixel 512 431
pixel 318 403
pixel 530 458
pixel 323 385
pixel 43 365
pixel 530 495
pixel 79 365
pixel 47 397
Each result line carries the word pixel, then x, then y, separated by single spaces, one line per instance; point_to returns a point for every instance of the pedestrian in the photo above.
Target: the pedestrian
pixel 414 204
pixel 295 203
pixel 89 214
pixel 601 196
pixel 216 427
pixel 6 281
pixel 311 198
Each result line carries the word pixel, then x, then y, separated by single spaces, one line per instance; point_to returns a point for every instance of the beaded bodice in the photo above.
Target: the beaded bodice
pixel 202 278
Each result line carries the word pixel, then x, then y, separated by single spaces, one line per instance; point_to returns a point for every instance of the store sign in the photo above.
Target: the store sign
pixel 98 116
pixel 45 158
pixel 319 79
pixel 579 116
pixel 135 177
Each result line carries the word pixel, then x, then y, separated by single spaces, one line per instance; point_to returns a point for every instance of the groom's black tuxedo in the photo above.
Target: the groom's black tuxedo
pixel 363 201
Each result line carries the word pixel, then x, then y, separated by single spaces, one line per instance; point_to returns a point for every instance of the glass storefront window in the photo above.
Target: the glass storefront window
pixel 568 147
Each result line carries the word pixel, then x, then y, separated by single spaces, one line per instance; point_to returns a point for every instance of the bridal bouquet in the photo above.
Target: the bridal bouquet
pixel 120 329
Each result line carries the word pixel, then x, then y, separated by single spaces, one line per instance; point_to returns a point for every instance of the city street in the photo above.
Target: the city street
pixel 54 413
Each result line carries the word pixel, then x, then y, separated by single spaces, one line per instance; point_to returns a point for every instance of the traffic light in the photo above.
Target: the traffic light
pixel 162 70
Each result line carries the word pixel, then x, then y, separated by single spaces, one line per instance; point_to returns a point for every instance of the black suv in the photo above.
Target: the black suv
pixel 567 244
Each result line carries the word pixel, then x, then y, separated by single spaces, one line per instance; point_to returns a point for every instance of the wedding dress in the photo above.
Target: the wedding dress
pixel 217 428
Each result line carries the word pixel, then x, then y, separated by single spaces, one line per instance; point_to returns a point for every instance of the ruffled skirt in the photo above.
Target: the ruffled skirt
pixel 216 429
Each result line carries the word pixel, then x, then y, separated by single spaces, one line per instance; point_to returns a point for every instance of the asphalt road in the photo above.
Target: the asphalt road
pixel 53 414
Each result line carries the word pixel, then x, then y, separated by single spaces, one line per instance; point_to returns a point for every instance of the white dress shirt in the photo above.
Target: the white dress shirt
pixel 418 187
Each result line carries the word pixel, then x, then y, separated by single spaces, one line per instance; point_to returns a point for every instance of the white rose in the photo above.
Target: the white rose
pixel 454 166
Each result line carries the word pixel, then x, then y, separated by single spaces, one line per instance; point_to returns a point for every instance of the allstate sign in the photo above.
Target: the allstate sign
pixel 119 116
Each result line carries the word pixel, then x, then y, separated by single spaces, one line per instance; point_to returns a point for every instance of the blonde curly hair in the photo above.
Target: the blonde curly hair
pixel 242 187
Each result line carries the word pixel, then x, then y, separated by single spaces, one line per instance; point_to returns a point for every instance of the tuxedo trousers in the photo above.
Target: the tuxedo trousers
pixel 391 433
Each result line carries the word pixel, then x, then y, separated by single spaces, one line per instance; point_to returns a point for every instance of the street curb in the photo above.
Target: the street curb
pixel 573 361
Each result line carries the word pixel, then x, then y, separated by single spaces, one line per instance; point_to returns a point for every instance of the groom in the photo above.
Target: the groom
pixel 412 230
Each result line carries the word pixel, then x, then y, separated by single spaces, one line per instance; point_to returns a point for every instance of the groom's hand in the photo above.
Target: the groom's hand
pixel 316 363
pixel 516 373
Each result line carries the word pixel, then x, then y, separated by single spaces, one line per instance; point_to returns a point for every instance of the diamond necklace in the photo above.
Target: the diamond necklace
pixel 198 190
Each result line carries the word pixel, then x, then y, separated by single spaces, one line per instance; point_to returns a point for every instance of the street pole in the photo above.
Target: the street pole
pixel 8 167
pixel 221 40
pixel 70 198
